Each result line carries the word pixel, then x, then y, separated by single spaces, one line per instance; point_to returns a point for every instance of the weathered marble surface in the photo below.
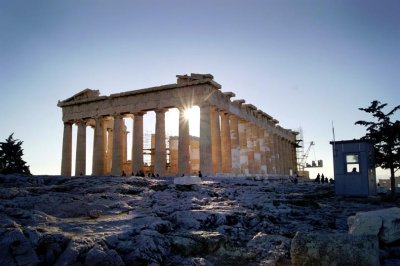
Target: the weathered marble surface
pixel 383 223
pixel 51 220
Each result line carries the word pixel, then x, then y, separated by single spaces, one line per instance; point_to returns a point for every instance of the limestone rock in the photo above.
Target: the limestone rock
pixel 197 219
pixel 74 249
pixel 152 223
pixel 50 247
pixel 271 247
pixel 188 261
pixel 196 242
pixel 334 249
pixel 222 221
pixel 94 214
pixel 383 223
pixel 98 257
pixel 149 246
pixel 16 249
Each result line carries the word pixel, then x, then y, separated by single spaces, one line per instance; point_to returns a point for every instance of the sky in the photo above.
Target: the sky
pixel 307 63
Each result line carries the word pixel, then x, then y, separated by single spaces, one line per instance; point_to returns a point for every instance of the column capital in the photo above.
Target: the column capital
pixel 140 113
pixel 183 108
pixel 225 112
pixel 161 110
pixel 214 108
pixel 80 122
pixel 99 117
pixel 204 105
pixel 117 115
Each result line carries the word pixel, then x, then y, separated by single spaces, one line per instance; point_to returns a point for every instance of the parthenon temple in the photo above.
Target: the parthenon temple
pixel 236 138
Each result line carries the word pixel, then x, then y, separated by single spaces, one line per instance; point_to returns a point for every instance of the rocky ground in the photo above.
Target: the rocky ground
pixel 52 220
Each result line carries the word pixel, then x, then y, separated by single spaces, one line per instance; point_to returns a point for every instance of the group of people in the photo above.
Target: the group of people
pixel 321 179
pixel 140 173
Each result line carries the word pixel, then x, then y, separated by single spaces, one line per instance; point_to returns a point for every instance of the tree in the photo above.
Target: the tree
pixel 11 157
pixel 385 135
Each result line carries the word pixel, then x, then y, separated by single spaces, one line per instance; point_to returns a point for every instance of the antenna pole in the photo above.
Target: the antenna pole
pixel 334 146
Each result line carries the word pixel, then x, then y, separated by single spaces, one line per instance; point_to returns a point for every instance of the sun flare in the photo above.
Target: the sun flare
pixel 192 114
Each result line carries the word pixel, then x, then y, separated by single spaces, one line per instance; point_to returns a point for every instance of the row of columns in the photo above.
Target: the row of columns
pixel 240 147
pixel 228 144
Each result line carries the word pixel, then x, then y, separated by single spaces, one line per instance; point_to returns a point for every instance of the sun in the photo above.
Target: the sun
pixel 193 116
pixel 192 113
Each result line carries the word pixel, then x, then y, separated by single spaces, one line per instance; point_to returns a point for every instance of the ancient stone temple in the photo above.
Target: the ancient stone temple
pixel 235 138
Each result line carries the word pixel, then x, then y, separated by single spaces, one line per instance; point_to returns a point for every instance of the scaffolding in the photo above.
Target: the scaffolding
pixel 302 155
pixel 149 152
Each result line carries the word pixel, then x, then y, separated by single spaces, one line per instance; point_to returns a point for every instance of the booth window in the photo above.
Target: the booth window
pixel 352 163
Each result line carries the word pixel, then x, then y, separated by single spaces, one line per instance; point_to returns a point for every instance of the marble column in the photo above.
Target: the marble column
pixel 276 153
pixel 215 141
pixel 281 157
pixel 137 143
pixel 117 153
pixel 294 154
pixel 268 151
pixel 205 141
pixel 292 161
pixel 256 147
pixel 183 145
pixel 98 148
pixel 124 143
pixel 160 153
pixel 80 159
pixel 244 157
pixel 235 148
pixel 263 151
pixel 110 136
pixel 66 159
pixel 285 158
pixel 226 143
pixel 250 147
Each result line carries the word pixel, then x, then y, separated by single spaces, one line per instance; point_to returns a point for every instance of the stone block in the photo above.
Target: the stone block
pixel 384 223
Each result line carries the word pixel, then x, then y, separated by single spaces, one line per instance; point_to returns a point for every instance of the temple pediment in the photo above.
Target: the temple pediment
pixel 86 94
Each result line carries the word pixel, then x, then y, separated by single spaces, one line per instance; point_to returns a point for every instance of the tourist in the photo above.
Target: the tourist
pixel 293 179
pixel 317 179
pixel 200 174
pixel 322 178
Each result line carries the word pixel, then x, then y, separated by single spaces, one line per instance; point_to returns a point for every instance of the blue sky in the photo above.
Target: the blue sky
pixel 306 63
